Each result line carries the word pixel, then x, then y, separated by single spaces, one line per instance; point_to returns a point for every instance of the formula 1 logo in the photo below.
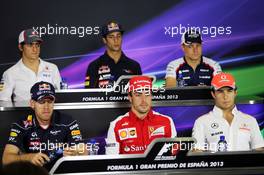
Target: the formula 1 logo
pixel 168 152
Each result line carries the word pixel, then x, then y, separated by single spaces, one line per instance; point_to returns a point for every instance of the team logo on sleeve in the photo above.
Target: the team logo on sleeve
pixel 75 132
pixel 127 133
pixel 75 126
pixel 87 81
pixel 123 134
pixel 244 127
pixel 1 84
pixel 156 130
pixel 28 122
pixel 13 134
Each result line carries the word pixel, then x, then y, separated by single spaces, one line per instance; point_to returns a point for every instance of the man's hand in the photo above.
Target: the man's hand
pixel 76 150
pixel 38 158
pixel 12 154
pixel 70 151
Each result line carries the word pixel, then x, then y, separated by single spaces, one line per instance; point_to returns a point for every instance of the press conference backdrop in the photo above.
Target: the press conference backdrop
pixel 233 34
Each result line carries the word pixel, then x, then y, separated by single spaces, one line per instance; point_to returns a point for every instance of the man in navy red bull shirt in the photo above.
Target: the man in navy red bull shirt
pixel 44 135
pixel 106 69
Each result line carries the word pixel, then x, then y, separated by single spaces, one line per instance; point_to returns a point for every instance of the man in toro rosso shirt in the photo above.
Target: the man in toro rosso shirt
pixel 106 69
pixel 239 130
pixel 45 135
pixel 193 69
pixel 133 132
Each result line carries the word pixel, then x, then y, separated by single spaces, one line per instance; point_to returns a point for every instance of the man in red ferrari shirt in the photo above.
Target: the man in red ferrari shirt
pixel 133 132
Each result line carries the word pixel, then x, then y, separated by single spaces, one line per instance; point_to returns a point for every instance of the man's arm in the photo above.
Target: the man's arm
pixel 57 78
pixel 172 128
pixel 257 141
pixel 171 75
pixel 91 76
pixel 12 154
pixel 199 136
pixel 112 145
pixel 217 68
pixel 6 93
pixel 170 82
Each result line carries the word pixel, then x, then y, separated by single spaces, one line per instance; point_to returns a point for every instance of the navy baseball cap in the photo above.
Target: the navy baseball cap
pixel 111 27
pixel 191 36
pixel 42 90
pixel 29 36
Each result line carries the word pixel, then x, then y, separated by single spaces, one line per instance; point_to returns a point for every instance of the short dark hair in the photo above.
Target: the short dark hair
pixel 23 168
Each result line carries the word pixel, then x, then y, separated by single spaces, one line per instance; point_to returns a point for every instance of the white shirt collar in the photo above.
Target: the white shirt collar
pixel 219 112
pixel 22 65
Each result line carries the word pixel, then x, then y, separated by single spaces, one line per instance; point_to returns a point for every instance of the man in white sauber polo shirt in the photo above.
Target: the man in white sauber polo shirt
pixel 239 131
pixel 30 69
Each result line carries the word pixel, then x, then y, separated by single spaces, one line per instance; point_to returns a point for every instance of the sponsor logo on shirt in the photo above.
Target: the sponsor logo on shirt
pixel 15 130
pixel 217 133
pixel 125 124
pixel 185 70
pixel 34 143
pixel 74 126
pixel 87 81
pixel 187 78
pixel 13 134
pixel 77 137
pixel 105 77
pixel 156 130
pixel 2 84
pixel 111 145
pixel 11 139
pixel 46 68
pixel 104 69
pixel 132 132
pixel 75 132
pixel 245 127
pixel 127 133
pixel 204 70
pixel 55 132
pixel 205 77
pixel 28 122
pixel 34 134
pixel 214 125
pixel 46 74
pixel 134 148
pixel 103 83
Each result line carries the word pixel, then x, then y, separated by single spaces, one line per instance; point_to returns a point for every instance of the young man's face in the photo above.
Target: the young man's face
pixel 141 101
pixel 113 41
pixel 30 51
pixel 43 109
pixel 193 51
pixel 225 98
